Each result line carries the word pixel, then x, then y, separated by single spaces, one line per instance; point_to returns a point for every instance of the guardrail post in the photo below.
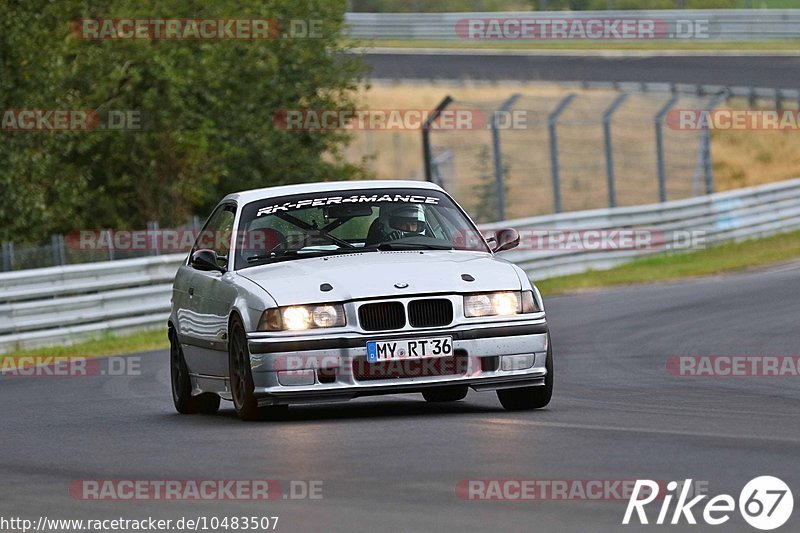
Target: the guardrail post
pixel 552 120
pixel 152 237
pixel 57 246
pixel 662 173
pixel 778 100
pixel 499 172
pixel 110 240
pixel 426 139
pixel 612 190
pixel 8 256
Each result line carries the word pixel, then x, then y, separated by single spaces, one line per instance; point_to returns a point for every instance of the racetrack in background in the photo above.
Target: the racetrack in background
pixel 780 70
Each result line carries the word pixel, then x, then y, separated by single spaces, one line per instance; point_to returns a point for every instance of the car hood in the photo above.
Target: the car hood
pixel 376 274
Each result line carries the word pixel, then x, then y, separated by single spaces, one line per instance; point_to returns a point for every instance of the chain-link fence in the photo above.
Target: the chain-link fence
pixel 583 149
pixel 87 246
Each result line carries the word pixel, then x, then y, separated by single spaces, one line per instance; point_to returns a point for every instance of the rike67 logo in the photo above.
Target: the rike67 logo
pixel 765 503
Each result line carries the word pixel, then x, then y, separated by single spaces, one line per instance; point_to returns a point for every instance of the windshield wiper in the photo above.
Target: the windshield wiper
pixel 388 246
pixel 297 254
pixel 254 258
pixel 322 232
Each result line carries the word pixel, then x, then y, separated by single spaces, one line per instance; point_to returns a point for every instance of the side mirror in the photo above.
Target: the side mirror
pixel 206 260
pixel 506 239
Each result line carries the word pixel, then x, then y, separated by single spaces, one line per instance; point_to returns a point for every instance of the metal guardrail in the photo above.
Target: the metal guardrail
pixel 63 304
pixel 52 305
pixel 726 216
pixel 722 24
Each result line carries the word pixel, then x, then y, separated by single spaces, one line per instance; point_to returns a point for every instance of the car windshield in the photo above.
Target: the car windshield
pixel 338 222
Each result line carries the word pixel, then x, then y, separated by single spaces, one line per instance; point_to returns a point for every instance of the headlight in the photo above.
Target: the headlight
pixel 296 318
pixel 500 304
pixel 302 317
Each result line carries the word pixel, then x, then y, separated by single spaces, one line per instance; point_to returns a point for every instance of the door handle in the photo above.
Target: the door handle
pixel 191 291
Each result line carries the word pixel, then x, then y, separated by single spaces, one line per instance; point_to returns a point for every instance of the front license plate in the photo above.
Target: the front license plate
pixel 409 349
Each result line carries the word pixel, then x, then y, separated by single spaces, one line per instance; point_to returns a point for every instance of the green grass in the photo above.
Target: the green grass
pixel 108 344
pixel 779 45
pixel 728 257
pixel 771 4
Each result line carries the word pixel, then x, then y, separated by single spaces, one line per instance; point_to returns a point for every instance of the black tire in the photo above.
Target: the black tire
pixel 525 398
pixel 451 393
pixel 185 403
pixel 241 377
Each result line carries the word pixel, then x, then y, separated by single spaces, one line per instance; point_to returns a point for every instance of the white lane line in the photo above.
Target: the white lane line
pixel 594 427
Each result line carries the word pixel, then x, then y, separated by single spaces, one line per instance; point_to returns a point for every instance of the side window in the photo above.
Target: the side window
pixel 216 234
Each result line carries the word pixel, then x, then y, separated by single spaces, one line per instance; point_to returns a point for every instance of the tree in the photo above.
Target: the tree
pixel 206 109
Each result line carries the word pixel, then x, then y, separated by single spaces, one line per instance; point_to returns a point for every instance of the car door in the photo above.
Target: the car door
pixel 210 296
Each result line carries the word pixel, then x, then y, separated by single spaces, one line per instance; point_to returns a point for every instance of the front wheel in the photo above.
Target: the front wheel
pixel 241 376
pixel 185 403
pixel 524 398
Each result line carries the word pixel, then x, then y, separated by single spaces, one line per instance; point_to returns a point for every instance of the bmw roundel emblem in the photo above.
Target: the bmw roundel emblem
pixel 401 285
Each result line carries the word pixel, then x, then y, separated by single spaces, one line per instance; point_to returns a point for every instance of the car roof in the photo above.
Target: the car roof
pixel 244 197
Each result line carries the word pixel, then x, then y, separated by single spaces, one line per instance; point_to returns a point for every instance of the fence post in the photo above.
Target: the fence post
pixel 612 189
pixel 499 172
pixel 8 256
pixel 57 247
pixel 426 140
pixel 552 120
pixel 705 144
pixel 662 173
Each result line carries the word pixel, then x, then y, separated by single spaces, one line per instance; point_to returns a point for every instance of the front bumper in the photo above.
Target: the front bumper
pixel 315 368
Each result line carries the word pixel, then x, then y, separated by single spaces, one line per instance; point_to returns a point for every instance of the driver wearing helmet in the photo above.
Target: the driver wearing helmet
pixel 403 221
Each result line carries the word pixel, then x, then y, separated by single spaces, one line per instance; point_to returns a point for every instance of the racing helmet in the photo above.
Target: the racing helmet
pixel 404 221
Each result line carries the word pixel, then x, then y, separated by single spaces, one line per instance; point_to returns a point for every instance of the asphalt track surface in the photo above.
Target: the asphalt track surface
pixel 392 463
pixel 747 70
